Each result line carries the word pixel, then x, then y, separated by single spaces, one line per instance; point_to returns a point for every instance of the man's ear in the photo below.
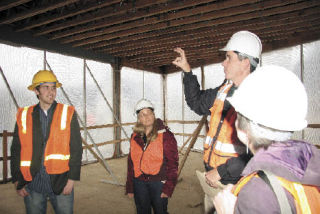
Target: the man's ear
pixel 246 65
pixel 36 91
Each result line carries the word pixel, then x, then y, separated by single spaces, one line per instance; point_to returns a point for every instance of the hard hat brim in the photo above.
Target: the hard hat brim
pixel 224 49
pixel 33 86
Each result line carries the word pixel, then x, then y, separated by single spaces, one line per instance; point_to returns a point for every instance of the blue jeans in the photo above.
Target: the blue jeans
pixel 147 195
pixel 36 203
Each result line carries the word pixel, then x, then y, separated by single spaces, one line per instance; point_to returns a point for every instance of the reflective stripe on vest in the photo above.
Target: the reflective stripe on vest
pixel 307 198
pixel 64 117
pixel 222 142
pixel 57 152
pixel 25 163
pixel 57 157
pixel 24 119
pixel 150 160
pixel 228 148
pixel 24 123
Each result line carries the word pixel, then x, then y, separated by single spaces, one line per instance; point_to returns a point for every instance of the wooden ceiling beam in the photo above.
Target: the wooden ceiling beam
pixel 279 33
pixel 274 45
pixel 154 31
pixel 36 11
pixel 218 58
pixel 218 11
pixel 7 4
pixel 277 20
pixel 156 10
pixel 25 39
pixel 107 12
pixel 196 38
pixel 156 19
pixel 140 66
pixel 66 14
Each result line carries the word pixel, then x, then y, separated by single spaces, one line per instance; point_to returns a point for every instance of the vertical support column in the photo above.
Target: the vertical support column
pixel 182 106
pixel 116 106
pixel 164 96
pixel 301 77
pixel 44 60
pixel 5 156
pixel 85 134
pixel 203 87
pixel 202 78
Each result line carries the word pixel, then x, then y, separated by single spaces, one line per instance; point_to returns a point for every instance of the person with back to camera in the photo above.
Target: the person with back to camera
pixel 46 149
pixel 283 176
pixel 224 155
pixel 152 162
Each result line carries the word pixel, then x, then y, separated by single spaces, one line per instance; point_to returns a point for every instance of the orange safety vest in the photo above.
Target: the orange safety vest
pixel 307 197
pixel 149 160
pixel 57 151
pixel 222 142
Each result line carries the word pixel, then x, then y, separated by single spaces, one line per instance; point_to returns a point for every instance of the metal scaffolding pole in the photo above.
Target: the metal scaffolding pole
pixel 108 104
pixel 8 86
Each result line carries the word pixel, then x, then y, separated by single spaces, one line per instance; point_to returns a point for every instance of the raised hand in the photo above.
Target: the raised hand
pixel 181 60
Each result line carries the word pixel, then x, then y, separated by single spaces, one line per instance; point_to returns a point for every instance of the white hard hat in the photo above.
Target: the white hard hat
pixel 141 104
pixel 244 42
pixel 274 97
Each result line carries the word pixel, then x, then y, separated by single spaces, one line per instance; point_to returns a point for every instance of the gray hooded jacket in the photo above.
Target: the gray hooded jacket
pixel 293 160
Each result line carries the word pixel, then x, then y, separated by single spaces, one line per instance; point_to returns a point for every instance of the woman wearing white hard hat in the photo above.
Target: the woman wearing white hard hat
pixel 152 162
pixel 284 175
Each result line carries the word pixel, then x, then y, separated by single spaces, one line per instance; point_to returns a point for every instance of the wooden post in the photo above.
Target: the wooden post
pixel 203 87
pixel 5 156
pixel 203 78
pixel 194 138
pixel 116 106
pixel 302 79
pixel 164 91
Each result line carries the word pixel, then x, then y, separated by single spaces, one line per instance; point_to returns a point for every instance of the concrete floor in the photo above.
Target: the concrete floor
pixel 93 196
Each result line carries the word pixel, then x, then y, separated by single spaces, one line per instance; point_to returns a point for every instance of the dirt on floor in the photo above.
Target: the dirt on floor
pixel 93 195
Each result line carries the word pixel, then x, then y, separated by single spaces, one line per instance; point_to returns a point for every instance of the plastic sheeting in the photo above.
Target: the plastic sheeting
pixel 175 103
pixel 311 79
pixel 20 64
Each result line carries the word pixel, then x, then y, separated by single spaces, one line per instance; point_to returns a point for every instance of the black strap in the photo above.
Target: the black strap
pixel 264 177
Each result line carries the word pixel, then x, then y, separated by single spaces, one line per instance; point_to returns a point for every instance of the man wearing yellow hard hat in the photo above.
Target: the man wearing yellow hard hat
pixel 46 150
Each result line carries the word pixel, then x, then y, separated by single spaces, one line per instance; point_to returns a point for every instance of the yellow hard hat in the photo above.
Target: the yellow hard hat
pixel 43 76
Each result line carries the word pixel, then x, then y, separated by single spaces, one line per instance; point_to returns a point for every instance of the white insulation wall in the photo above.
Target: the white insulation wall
pixel 20 64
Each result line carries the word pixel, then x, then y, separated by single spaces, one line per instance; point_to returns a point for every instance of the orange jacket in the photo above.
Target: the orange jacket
pixel 57 152
pixel 149 160
pixel 222 142
pixel 306 197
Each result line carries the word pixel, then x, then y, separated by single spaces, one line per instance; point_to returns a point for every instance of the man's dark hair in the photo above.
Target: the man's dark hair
pixel 38 89
pixel 253 61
